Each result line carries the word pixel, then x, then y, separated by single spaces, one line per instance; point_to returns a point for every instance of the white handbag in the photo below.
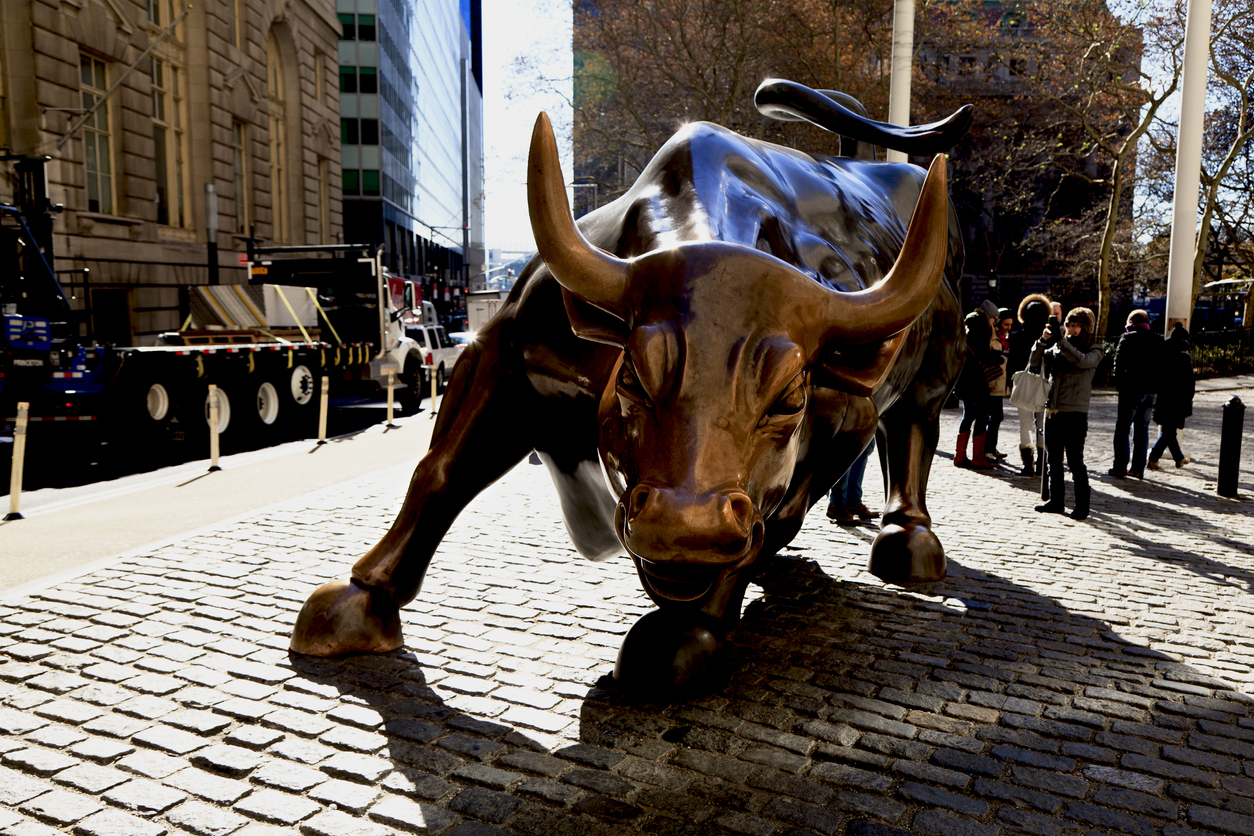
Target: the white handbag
pixel 1030 391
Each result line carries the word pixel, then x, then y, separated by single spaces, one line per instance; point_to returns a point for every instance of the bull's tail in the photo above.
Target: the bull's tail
pixel 842 114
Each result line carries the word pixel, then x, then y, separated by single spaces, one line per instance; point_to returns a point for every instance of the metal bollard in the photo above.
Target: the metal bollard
pixel 432 376
pixel 322 409
pixel 391 401
pixel 213 428
pixel 19 456
pixel 1230 446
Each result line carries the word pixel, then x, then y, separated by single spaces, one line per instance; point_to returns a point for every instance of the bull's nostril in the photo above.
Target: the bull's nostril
pixel 741 507
pixel 636 501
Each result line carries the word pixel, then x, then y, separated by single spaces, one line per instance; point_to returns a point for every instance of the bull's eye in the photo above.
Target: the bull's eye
pixel 790 402
pixel 629 383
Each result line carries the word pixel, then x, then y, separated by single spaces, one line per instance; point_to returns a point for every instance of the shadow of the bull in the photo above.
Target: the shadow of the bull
pixel 964 707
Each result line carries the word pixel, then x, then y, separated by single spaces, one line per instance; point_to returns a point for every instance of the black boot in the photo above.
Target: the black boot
pixel 1042 469
pixel 1025 453
pixel 1051 507
pixel 1082 494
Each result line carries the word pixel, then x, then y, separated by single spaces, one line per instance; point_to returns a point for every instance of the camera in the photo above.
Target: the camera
pixel 1054 328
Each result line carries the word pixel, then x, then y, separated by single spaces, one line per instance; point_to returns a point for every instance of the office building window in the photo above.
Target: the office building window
pixel 365 27
pixel 348 79
pixel 234 24
pixel 324 200
pixel 370 183
pixel 348 27
pixel 239 168
pixel 368 80
pixel 351 181
pixel 349 135
pixel 169 144
pixel 278 142
pixel 160 12
pixel 97 137
pixel 369 131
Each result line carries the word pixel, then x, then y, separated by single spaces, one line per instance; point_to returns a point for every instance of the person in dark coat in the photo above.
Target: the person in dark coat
pixel 1175 397
pixel 1070 361
pixel 980 365
pixel 1137 360
pixel 1033 314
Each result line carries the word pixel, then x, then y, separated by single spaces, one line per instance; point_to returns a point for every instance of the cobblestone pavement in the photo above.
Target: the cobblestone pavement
pixel 1067 678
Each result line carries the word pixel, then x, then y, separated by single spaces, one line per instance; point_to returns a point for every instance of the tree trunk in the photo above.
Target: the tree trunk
pixel 1108 243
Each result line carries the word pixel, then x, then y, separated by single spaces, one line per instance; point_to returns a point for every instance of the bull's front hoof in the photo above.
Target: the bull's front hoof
pixel 345 617
pixel 672 654
pixel 907 554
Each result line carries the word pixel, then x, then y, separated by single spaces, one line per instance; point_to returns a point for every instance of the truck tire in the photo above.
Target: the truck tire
pixel 299 398
pixel 158 404
pixel 141 418
pixel 411 396
pixel 302 386
pixel 258 411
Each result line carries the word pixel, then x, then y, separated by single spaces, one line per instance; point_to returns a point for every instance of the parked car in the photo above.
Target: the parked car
pixel 438 352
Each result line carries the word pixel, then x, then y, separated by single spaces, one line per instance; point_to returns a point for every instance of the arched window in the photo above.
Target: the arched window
pixel 278 140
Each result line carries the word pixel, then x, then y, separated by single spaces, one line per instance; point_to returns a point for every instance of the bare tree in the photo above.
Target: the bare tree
pixel 1226 196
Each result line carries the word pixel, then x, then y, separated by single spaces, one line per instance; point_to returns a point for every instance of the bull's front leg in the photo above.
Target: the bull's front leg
pixel 906 550
pixel 476 440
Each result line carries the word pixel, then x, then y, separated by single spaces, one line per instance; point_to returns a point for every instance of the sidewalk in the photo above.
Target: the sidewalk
pixel 1067 678
pixel 66 529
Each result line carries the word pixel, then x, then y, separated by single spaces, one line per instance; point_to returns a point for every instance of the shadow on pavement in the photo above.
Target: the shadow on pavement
pixel 959 707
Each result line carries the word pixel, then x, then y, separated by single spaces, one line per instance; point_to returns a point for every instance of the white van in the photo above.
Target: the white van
pixel 438 352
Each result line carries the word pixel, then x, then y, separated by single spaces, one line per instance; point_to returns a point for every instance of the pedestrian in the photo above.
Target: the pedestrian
pixel 999 387
pixel 1033 314
pixel 844 501
pixel 1137 364
pixel 1175 397
pixel 1070 359
pixel 973 390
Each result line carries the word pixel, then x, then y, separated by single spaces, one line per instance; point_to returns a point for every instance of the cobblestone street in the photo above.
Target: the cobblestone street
pixel 1067 678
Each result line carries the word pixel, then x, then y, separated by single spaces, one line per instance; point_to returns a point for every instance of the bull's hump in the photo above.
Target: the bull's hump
pixel 838 220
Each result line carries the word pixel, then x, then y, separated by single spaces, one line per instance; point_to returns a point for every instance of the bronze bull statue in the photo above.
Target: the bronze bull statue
pixel 697 363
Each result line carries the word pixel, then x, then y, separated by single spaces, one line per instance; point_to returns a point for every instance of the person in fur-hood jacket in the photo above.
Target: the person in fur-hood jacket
pixel 1070 360
pixel 1033 314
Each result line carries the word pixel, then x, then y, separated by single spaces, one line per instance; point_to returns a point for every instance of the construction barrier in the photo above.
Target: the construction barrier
pixel 322 410
pixel 213 428
pixel 19 456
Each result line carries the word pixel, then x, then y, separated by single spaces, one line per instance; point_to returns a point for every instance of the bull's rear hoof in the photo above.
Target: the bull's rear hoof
pixel 345 617
pixel 907 554
pixel 670 655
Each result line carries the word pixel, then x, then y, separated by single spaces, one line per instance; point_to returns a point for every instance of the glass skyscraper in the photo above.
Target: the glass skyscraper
pixel 411 129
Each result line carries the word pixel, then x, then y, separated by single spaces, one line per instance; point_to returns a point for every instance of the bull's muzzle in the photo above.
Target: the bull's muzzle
pixel 685 541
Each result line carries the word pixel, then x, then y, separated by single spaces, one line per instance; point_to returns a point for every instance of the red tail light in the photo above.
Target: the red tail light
pixel 428 360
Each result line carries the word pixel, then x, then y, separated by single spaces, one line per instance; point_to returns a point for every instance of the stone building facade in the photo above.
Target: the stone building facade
pixel 240 94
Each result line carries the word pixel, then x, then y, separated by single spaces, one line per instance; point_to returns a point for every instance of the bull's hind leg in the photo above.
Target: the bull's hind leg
pixel 906 550
pixel 477 439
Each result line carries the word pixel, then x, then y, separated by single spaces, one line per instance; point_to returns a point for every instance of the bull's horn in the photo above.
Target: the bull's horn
pixel 900 298
pixel 591 274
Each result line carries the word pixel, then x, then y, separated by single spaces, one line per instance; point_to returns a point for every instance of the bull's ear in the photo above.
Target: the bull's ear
pixel 860 369
pixel 591 323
